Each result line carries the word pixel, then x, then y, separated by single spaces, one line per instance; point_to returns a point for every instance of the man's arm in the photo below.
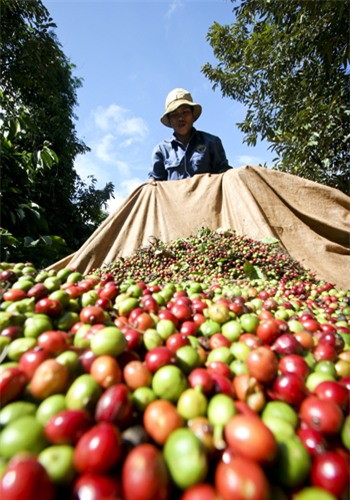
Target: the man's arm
pixel 158 172
pixel 220 162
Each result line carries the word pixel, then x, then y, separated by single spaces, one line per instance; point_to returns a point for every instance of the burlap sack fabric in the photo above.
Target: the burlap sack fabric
pixel 311 221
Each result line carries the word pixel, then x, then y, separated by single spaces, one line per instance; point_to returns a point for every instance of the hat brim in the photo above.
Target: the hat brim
pixel 197 111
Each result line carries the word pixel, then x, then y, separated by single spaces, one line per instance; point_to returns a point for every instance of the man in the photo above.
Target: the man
pixel 189 151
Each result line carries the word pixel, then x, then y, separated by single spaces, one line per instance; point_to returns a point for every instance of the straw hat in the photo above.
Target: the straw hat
pixel 176 98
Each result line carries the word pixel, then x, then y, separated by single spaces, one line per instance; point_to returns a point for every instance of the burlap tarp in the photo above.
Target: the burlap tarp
pixel 311 221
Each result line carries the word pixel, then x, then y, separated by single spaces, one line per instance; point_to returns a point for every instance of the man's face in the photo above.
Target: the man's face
pixel 181 120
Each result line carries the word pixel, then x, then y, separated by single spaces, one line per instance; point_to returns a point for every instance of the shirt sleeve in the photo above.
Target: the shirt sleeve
pixel 158 171
pixel 219 161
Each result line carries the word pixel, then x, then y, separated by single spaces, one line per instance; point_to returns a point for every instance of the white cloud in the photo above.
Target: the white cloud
pixel 115 130
pixel 103 148
pixel 85 166
pixel 116 138
pixel 106 150
pixel 135 127
pixel 249 160
pixel 173 7
pixel 119 121
pixel 124 189
pixel 101 164
pixel 115 203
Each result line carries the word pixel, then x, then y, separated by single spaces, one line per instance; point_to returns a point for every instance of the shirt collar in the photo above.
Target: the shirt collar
pixel 174 139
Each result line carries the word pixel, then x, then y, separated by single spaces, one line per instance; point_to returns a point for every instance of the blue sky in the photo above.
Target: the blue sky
pixel 130 54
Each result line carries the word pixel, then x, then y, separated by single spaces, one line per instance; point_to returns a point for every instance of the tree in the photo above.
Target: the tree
pixel 39 96
pixel 288 63
pixel 23 223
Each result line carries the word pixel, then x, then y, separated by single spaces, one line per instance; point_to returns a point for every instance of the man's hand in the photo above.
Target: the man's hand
pixel 152 181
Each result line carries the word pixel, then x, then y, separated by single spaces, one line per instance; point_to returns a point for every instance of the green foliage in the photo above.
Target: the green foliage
pixel 288 63
pixel 41 191
pixel 23 232
pixel 253 272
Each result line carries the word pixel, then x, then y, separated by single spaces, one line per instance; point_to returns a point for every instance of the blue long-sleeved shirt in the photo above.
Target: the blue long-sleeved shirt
pixel 203 154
